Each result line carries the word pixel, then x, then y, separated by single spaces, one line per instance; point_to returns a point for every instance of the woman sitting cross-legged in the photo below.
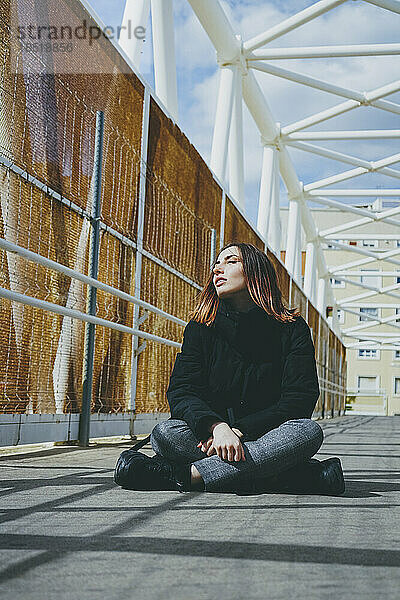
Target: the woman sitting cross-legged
pixel 241 394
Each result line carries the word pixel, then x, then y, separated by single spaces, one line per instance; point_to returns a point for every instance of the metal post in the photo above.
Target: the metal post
pixel 138 264
pixel 309 273
pixel 236 164
pixel 274 227
pixel 321 356
pixel 298 257
pixel 266 190
pixel 292 234
pixel 162 20
pixel 222 224
pixel 84 421
pixel 135 16
pixel 321 298
pixel 223 116
pixel 213 253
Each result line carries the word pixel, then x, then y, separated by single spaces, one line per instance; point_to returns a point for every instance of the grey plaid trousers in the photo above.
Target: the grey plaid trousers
pixel 292 443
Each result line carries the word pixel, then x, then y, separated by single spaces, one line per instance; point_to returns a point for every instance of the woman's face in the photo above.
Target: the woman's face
pixel 228 276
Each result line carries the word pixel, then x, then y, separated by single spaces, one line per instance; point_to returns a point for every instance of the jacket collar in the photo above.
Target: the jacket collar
pixel 235 315
pixel 227 321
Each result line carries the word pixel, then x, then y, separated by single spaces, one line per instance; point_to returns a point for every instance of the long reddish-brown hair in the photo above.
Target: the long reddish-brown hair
pixel 262 284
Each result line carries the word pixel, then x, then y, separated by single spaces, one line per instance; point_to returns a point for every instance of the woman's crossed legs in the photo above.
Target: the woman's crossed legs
pixel 292 443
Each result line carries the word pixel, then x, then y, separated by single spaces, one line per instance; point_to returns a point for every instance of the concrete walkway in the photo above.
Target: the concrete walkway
pixel 68 532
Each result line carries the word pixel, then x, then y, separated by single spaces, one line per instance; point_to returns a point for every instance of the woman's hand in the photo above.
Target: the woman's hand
pixel 205 446
pixel 226 443
pixel 237 431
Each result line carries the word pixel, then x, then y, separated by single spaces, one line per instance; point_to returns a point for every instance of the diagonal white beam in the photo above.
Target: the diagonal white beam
pixel 336 110
pixel 393 5
pixel 357 313
pixel 358 283
pixel 386 290
pixel 376 290
pixel 375 167
pixel 325 51
pixel 217 27
pixel 318 84
pixel 261 113
pixel 304 16
pixel 321 116
pixel 324 86
pixel 377 321
pixel 342 207
pixel 381 216
pixel 350 192
pixel 369 166
pixel 364 261
pixel 366 273
pixel 357 250
pixel 343 176
pixel 366 134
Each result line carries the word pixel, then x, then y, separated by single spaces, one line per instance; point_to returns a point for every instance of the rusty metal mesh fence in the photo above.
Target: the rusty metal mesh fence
pixel 47 133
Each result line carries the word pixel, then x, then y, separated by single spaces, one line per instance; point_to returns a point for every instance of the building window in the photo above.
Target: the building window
pixel 373 312
pixel 398 243
pixel 370 243
pixel 398 278
pixel 397 312
pixel 352 243
pixel 373 280
pixel 368 353
pixel 397 386
pixel 397 355
pixel 337 283
pixel 367 384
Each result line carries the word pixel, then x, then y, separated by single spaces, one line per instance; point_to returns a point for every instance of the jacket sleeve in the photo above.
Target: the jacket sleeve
pixel 186 388
pixel 299 389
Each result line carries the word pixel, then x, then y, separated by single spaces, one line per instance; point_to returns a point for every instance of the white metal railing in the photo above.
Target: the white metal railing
pixel 51 193
pixel 55 266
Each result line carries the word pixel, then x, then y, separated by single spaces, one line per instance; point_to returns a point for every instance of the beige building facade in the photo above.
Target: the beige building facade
pixel 366 320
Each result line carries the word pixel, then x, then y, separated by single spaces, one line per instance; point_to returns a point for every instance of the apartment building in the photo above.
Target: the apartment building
pixel 363 315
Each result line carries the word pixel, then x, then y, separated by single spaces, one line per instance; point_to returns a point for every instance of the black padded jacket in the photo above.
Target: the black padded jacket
pixel 246 369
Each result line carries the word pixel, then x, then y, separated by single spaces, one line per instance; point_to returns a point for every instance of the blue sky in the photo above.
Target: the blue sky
pixel 353 22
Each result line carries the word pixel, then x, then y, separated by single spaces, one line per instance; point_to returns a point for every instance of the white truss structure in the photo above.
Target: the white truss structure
pixel 237 60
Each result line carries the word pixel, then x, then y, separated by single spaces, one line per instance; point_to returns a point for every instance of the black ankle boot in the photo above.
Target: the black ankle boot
pixel 313 477
pixel 137 471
